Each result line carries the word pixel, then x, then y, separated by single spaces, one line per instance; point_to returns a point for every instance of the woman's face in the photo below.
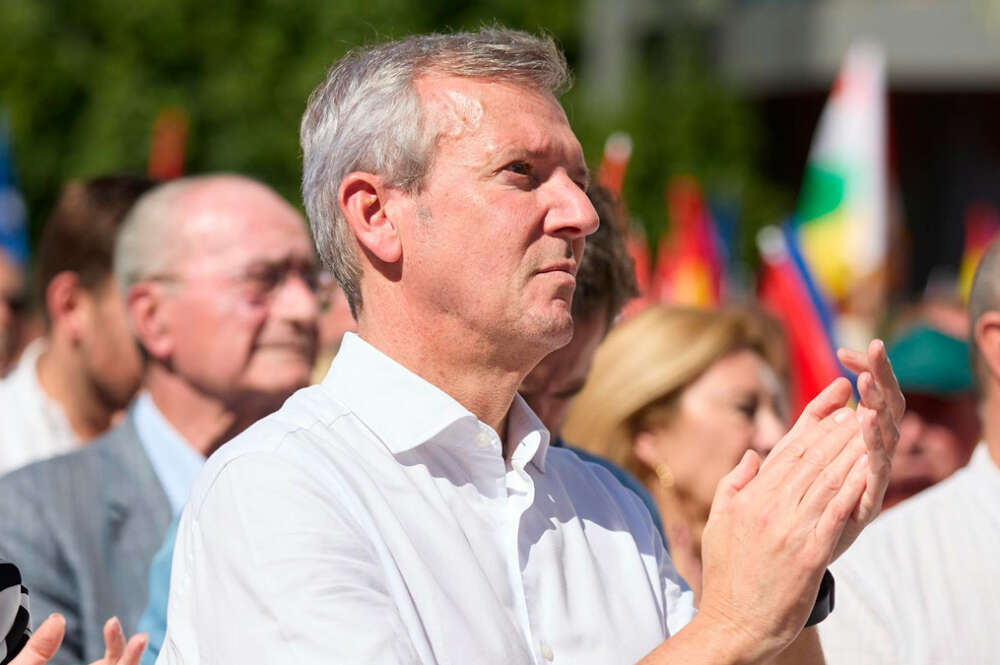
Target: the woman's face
pixel 737 404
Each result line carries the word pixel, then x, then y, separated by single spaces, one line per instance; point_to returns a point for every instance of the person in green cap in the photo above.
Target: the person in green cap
pixel 940 427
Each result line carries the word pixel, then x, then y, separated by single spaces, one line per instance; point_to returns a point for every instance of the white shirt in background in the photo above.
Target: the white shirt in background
pixel 32 426
pixel 373 520
pixel 921 585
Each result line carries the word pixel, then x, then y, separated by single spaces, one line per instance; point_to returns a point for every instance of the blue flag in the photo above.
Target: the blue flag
pixel 13 212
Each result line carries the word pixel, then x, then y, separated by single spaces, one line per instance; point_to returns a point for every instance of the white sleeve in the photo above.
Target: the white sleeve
pixel 268 570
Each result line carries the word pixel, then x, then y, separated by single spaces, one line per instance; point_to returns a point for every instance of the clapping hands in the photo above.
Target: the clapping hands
pixel 44 644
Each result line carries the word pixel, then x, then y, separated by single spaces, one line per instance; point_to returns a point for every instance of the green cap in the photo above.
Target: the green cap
pixel 929 361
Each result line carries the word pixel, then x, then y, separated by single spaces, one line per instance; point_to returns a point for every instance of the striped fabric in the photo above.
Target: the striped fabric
pixel 13 613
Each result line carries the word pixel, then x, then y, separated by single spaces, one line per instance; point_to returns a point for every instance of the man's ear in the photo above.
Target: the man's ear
pixel 147 316
pixel 64 301
pixel 363 197
pixel 987 337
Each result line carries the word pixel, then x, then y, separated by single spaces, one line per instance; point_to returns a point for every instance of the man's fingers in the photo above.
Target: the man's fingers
pixel 831 523
pixel 809 458
pixel 826 402
pixel 856 361
pixel 114 640
pixel 828 483
pixel 875 361
pixel 831 398
pixel 878 467
pixel 44 643
pixel 133 650
pixel 885 378
pixel 734 481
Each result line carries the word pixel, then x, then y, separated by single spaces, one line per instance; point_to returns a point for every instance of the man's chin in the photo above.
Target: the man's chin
pixel 279 373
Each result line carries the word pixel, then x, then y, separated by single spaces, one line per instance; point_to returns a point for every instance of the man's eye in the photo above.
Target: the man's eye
pixel 520 168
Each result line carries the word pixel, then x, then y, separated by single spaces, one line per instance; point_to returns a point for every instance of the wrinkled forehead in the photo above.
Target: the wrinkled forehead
pixel 456 105
pixel 234 233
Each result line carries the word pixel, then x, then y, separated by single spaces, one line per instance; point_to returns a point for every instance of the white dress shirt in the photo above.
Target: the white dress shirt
pixel 373 520
pixel 32 425
pixel 921 586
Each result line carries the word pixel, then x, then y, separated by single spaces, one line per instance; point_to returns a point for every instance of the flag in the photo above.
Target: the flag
pixel 13 212
pixel 638 249
pixel 981 225
pixel 166 152
pixel 688 264
pixel 614 163
pixel 841 218
pixel 786 290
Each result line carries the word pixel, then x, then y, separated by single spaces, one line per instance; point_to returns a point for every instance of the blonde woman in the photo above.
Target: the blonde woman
pixel 676 396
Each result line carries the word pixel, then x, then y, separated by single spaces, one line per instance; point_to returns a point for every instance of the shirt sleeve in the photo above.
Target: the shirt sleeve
pixel 271 569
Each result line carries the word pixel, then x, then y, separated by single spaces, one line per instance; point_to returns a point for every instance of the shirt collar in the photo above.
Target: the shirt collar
pixel 406 411
pixel 174 461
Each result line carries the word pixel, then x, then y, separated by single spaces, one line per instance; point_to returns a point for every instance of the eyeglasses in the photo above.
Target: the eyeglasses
pixel 16 301
pixel 260 283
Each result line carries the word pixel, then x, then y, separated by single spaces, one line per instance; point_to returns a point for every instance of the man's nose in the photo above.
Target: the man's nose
pixel 570 211
pixel 296 300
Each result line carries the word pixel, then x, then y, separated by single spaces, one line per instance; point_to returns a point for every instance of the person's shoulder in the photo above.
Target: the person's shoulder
pixel 936 509
pixel 306 419
pixel 302 434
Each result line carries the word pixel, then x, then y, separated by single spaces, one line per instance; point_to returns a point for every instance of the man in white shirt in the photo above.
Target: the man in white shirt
pixel 409 509
pixel 219 278
pixel 69 385
pixel 921 585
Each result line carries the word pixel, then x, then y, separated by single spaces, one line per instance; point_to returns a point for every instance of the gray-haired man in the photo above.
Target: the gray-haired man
pixel 217 274
pixel 409 509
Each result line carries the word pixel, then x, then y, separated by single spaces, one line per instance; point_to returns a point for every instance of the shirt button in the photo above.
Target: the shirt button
pixel 546 651
pixel 483 440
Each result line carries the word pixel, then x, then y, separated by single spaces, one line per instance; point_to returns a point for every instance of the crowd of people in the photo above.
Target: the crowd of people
pixel 426 435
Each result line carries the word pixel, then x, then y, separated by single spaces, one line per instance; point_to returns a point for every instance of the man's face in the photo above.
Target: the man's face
pixel 11 299
pixel 109 352
pixel 242 315
pixel 936 438
pixel 495 235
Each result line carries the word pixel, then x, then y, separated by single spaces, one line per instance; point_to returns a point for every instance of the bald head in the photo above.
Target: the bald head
pixel 984 298
pixel 219 278
pixel 182 219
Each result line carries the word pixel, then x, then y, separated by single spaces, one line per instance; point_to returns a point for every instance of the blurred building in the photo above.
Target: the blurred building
pixel 944 76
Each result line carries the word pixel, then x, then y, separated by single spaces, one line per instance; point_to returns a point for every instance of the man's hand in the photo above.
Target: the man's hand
pixel 774 527
pixel 44 644
pixel 881 411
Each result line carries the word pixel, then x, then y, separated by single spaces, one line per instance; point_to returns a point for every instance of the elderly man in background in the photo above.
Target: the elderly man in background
pixel 921 586
pixel 218 275
pixel 410 509
pixel 69 384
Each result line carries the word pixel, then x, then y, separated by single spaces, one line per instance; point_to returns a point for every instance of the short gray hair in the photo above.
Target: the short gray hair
pixel 366 116
pixel 984 297
pixel 148 236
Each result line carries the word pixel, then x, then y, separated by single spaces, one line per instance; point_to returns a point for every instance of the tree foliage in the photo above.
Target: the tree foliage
pixel 83 82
